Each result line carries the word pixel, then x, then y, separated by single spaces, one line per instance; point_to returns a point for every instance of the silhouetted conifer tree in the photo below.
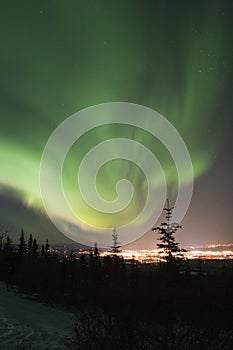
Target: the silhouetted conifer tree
pixel 34 246
pixel 30 242
pixel 116 245
pixel 169 246
pixel 8 244
pixel 96 250
pixel 22 243
pixel 47 247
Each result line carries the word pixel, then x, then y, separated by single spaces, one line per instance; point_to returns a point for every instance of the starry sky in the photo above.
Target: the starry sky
pixel 176 57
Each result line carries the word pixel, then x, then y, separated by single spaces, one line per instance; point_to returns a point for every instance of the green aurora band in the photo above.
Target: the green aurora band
pixel 58 58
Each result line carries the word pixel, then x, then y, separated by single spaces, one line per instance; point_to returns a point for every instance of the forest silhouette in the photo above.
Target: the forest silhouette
pixel 125 304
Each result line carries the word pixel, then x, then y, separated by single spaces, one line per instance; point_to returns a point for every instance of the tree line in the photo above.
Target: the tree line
pixel 125 304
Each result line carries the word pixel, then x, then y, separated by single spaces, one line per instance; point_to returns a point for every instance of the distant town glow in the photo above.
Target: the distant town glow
pixel 154 255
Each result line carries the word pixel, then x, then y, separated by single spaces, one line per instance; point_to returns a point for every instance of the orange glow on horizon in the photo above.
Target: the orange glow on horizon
pixel 155 255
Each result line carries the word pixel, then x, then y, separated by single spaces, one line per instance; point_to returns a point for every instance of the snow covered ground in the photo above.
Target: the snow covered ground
pixel 22 319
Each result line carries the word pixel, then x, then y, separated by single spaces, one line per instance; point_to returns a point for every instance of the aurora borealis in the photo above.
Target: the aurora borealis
pixel 175 57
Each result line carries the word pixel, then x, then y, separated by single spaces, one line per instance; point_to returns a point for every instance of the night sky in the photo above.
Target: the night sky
pixel 176 57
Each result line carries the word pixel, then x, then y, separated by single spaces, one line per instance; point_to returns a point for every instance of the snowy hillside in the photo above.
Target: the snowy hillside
pixel 22 319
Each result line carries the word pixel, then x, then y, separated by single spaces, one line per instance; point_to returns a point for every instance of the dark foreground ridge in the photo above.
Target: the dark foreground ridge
pixel 123 305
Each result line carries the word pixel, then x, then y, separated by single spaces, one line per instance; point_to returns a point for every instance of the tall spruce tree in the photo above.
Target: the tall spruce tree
pixel 22 243
pixel 116 247
pixel 30 242
pixel 169 247
pixel 34 245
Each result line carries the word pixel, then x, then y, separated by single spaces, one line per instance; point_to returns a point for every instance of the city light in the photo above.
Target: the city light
pixel 155 255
